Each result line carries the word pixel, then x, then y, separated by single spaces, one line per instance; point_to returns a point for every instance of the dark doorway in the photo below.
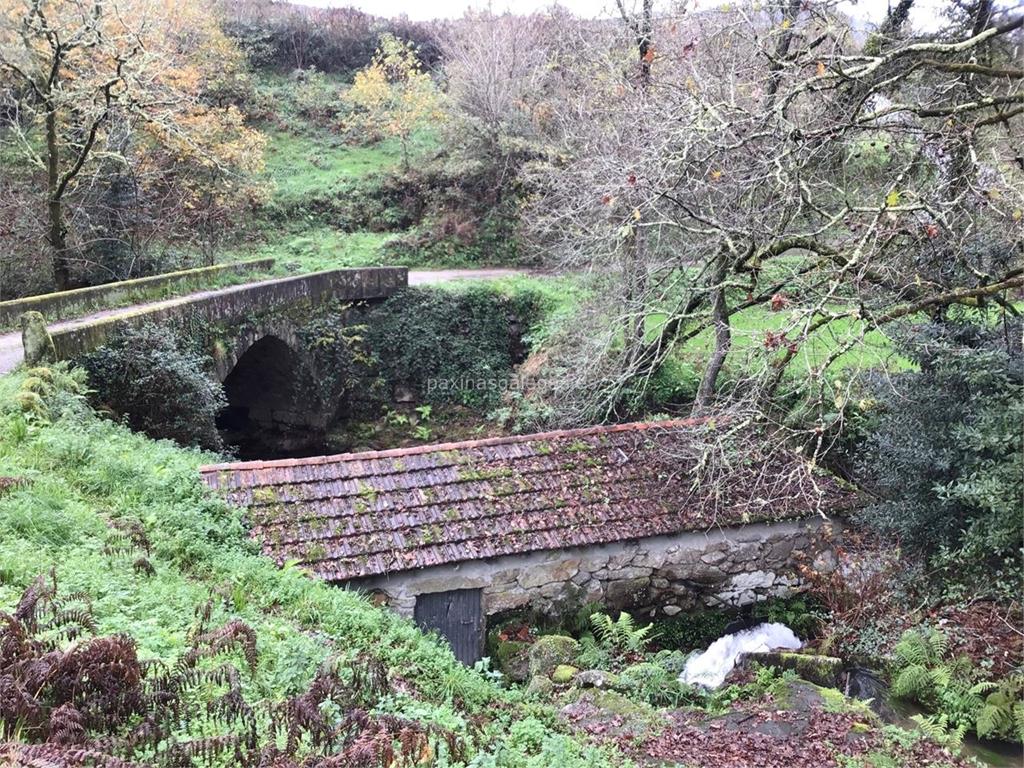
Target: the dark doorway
pixel 266 416
pixel 457 616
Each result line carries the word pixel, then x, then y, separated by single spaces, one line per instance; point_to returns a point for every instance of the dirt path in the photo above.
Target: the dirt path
pixel 11 353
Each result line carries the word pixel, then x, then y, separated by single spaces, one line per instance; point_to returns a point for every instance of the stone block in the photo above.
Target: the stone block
pixel 597 678
pixel 627 593
pixel 559 571
pixel 36 340
pixel 505 600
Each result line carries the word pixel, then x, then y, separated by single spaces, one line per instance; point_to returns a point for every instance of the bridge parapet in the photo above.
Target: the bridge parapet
pixel 238 302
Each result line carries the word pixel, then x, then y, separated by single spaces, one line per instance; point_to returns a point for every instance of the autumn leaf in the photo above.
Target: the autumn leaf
pixel 649 56
pixel 1018 215
pixel 821 69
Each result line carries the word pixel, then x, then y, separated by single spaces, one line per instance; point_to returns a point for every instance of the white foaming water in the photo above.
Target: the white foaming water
pixel 711 667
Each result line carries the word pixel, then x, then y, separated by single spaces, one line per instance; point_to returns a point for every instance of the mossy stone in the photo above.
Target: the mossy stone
pixel 641 675
pixel 540 686
pixel 513 658
pixel 563 674
pixel 814 668
pixel 551 650
pixel 36 339
pixel 597 678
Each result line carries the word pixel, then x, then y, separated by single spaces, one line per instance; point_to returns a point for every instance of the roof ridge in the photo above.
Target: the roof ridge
pixel 390 453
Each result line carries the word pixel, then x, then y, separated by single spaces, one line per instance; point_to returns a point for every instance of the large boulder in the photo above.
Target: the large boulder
pixel 551 650
pixel 36 340
pixel 513 660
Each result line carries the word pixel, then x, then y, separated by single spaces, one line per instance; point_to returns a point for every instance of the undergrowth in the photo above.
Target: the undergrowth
pixel 123 522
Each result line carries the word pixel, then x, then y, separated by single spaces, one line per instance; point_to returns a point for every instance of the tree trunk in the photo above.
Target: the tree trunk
pixel 55 206
pixel 723 338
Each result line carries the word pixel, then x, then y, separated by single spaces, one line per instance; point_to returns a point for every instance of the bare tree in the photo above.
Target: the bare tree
pixel 775 163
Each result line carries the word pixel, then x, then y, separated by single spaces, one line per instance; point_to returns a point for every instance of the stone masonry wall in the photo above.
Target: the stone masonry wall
pixel 724 567
pixel 57 306
pixel 227 306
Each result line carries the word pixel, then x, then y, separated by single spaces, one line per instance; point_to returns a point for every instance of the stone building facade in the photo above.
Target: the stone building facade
pixel 451 534
pixel 728 567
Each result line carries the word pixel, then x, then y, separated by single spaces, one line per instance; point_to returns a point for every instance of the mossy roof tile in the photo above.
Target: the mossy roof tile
pixel 378 512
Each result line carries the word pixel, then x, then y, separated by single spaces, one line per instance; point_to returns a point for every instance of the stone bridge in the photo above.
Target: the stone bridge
pixel 264 345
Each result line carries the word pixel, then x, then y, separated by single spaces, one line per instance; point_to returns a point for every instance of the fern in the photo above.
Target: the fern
pixel 948 687
pixel 1001 714
pixel 622 635
pixel 938 729
pixel 924 646
pixel 913 682
pixel 1018 720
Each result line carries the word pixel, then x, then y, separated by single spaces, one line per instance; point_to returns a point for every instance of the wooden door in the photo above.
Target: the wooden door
pixel 457 616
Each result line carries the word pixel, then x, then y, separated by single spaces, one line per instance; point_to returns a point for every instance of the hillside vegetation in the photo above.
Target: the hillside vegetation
pixel 122 525
pixel 805 237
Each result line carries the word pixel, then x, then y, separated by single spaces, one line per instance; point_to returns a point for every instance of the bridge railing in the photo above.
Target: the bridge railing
pixel 237 301
pixel 65 304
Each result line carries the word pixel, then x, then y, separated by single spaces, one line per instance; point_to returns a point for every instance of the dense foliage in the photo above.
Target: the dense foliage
pixel 452 346
pixel 159 384
pixel 120 137
pixel 945 457
pixel 91 498
pixel 336 40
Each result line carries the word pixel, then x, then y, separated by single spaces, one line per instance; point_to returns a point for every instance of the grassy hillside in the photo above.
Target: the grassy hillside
pixel 92 501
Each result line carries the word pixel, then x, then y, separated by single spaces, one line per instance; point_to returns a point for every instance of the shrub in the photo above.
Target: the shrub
pixel 946 457
pixel 452 346
pixel 160 386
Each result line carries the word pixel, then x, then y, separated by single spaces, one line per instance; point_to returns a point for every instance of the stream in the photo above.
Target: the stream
pixel 712 666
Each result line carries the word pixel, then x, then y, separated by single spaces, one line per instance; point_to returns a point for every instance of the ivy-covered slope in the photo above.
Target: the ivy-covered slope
pixel 80 491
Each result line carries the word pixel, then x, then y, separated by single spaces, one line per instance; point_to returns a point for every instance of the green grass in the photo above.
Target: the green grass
pixel 313 163
pixel 316 247
pixel 750 328
pixel 82 473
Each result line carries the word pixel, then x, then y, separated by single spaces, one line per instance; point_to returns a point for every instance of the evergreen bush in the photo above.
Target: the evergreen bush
pixel 151 377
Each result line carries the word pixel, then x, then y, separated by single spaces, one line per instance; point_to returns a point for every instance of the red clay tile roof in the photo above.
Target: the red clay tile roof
pixel 363 514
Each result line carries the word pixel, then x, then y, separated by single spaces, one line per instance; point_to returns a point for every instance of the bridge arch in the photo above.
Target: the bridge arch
pixel 266 380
